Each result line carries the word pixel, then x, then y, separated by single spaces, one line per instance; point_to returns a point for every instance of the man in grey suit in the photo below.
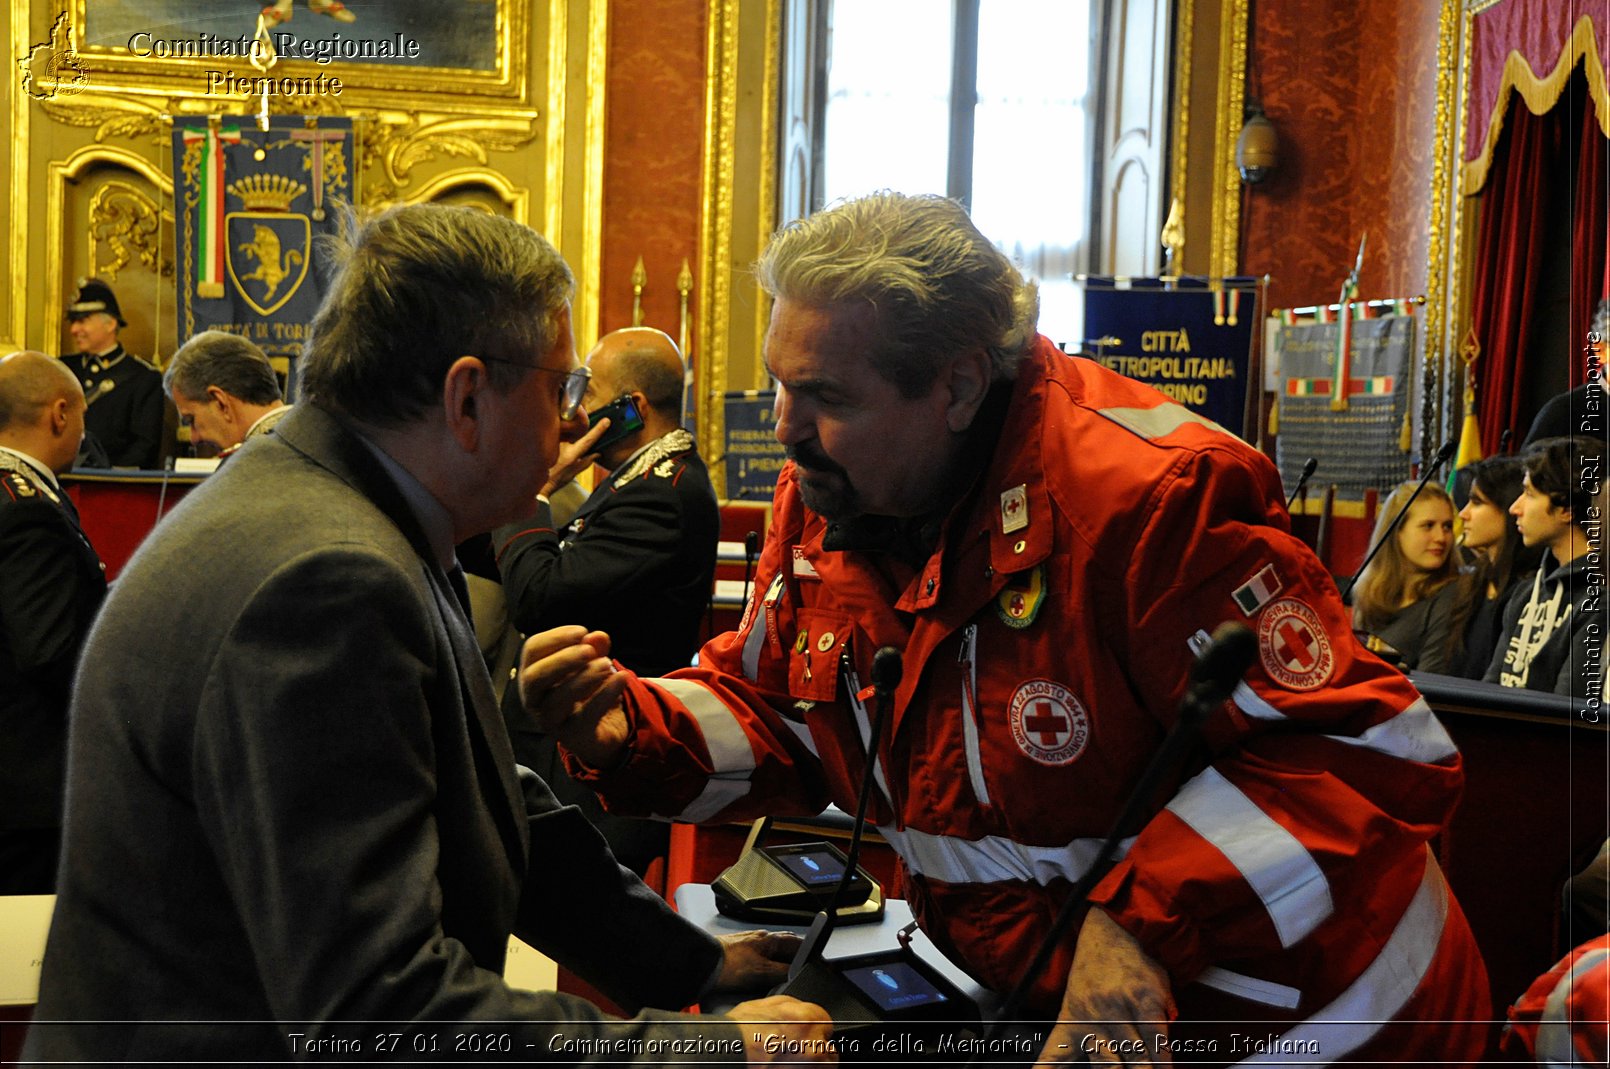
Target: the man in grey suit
pixel 291 796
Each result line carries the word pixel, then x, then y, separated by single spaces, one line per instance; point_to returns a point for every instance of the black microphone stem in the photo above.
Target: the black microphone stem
pixel 886 671
pixel 1309 468
pixel 1442 457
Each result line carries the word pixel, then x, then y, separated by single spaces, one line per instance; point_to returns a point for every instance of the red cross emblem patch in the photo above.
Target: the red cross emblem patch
pixel 1293 646
pixel 1048 723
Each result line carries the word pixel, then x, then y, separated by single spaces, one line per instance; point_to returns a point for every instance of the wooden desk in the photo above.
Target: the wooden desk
pixel 118 508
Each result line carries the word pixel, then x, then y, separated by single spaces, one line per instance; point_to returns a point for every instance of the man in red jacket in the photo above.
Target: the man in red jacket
pixel 1048 544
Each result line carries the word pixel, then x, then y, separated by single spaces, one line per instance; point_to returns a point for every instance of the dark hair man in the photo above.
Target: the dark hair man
pixel 224 390
pixel 1049 542
pixel 1553 631
pixel 636 561
pixel 291 795
pixel 51 583
pixel 124 393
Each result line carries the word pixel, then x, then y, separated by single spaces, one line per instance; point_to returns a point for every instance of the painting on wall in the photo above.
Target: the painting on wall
pixel 460 35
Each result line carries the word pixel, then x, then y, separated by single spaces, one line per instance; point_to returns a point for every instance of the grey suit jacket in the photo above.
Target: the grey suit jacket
pixel 291 799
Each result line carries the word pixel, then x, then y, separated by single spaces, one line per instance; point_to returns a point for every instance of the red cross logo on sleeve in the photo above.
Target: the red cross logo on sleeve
pixel 1296 646
pixel 1293 646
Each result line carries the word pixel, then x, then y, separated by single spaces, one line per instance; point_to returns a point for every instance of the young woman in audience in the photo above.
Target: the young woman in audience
pixel 1403 601
pixel 1500 561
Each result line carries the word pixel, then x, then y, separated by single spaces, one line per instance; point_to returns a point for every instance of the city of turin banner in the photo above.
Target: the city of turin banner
pixel 1190 338
pixel 249 205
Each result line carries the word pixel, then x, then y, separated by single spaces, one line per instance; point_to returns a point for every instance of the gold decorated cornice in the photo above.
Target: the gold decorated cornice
pixel 364 84
pixel 517 200
pixel 392 144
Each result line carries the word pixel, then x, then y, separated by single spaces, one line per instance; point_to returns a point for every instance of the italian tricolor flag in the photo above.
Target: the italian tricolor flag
pixel 209 221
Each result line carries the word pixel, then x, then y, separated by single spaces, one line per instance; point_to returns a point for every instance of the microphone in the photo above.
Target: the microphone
pixel 1503 442
pixel 1218 668
pixel 887 668
pixel 1443 456
pixel 751 551
pixel 1309 467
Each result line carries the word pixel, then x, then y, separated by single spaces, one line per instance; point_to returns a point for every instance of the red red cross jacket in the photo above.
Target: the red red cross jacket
pixel 1047 641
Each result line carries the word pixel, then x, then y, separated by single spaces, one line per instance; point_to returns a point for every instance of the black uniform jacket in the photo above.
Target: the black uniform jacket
pixel 51 583
pixel 125 406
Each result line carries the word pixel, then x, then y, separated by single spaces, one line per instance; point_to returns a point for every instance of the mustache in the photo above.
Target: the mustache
pixel 810 456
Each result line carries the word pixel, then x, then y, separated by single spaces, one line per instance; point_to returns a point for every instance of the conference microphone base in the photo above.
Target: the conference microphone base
pixel 890 1003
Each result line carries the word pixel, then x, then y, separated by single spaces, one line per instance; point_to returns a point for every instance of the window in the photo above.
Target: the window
pixel 988 101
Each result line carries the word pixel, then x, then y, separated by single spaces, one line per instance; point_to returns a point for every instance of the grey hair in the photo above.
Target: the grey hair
pixel 416 288
pixel 937 284
pixel 227 361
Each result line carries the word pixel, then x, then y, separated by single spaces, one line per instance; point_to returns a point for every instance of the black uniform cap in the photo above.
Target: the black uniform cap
pixel 95 296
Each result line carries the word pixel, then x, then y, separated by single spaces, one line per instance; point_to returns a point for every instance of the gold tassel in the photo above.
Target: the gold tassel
pixel 1274 416
pixel 1406 439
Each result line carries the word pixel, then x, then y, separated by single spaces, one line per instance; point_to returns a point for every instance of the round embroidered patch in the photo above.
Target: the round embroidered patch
pixel 1293 646
pixel 1048 722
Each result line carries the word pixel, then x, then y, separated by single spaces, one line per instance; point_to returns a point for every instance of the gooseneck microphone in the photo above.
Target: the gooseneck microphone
pixel 751 551
pixel 1443 456
pixel 1218 668
pixel 887 668
pixel 1309 467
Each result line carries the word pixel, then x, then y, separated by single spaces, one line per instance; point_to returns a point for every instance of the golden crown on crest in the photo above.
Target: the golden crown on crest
pixel 267 192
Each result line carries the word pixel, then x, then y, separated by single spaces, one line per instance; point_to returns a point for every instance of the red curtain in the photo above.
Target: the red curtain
pixel 1560 154
pixel 1591 197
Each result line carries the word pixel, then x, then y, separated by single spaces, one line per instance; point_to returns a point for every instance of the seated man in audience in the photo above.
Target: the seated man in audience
pixel 636 561
pixel 1553 630
pixel 292 808
pixel 1049 543
pixel 224 389
pixel 51 584
pixel 124 393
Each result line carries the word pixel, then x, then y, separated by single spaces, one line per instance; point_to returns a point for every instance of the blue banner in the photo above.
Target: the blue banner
pixel 754 456
pixel 1193 343
pixel 249 206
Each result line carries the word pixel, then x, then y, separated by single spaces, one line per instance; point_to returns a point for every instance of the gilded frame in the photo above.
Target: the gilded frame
pixel 363 83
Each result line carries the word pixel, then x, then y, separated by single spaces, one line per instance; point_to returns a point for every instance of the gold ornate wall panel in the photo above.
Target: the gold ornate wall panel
pixel 738 191
pixel 1210 60
pixel 88 185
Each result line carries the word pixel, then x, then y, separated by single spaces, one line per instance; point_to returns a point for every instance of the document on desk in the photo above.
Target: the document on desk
pixel 24 923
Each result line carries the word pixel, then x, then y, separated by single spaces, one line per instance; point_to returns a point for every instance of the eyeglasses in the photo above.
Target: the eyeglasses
pixel 570 394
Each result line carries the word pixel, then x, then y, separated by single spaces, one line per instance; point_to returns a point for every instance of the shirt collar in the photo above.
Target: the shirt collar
pixel 433 518
pixel 258 422
pixel 34 463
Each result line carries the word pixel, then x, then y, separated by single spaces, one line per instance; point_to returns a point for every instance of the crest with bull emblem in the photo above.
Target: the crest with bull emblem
pixel 268 247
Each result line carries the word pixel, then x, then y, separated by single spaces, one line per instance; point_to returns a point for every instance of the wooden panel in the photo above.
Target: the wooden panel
pixel 1533 814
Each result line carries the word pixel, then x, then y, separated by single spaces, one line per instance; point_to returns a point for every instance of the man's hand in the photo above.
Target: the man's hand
pixel 574 458
pixel 570 688
pixel 1117 1005
pixel 753 960
pixel 784 1029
